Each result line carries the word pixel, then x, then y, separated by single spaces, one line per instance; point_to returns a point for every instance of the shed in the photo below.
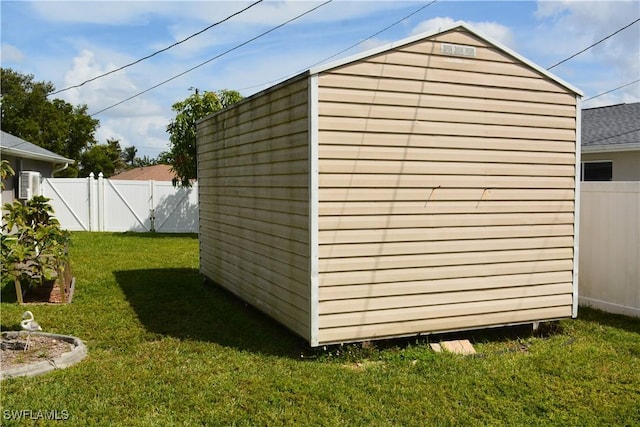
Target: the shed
pixel 426 186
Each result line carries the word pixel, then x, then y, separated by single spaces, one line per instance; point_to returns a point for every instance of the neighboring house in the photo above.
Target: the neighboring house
pixel 611 143
pixel 147 173
pixel 425 186
pixel 27 157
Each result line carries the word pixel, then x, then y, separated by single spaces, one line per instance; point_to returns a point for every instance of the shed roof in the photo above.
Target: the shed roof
pixel 14 146
pixel 611 128
pixel 460 24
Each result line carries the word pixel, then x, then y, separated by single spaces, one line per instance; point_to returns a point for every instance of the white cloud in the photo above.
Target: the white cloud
pixel 494 30
pixel 267 13
pixel 566 27
pixel 373 43
pixel 497 32
pixel 105 91
pixel 147 133
pixel 141 121
pixel 11 53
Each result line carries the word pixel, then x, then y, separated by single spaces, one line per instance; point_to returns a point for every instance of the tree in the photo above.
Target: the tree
pixel 164 158
pixel 182 130
pixel 144 161
pixel 129 155
pixel 105 158
pixel 6 171
pixel 56 125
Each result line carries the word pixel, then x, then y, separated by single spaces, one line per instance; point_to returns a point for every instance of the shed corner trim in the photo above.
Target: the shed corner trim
pixel 313 209
pixel 576 214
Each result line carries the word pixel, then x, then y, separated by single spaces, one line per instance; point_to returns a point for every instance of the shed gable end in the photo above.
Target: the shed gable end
pixel 446 191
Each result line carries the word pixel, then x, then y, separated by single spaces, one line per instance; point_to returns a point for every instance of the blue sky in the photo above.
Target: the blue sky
pixel 68 42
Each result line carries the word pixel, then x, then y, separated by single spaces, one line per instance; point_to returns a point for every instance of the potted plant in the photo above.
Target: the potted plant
pixel 34 248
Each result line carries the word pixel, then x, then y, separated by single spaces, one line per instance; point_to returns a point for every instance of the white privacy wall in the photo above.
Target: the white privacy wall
pixel 610 246
pixel 89 204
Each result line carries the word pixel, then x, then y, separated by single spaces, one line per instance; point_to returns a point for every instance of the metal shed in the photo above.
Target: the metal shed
pixel 426 186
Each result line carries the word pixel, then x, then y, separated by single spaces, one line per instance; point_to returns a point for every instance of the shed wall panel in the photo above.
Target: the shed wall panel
pixel 442 207
pixel 430 139
pixel 446 192
pixel 435 286
pixel 253 164
pixel 448 322
pixel 431 87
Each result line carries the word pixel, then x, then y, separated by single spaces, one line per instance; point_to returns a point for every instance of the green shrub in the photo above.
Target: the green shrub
pixel 34 247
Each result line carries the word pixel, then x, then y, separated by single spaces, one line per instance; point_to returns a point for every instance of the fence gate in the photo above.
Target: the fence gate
pixel 89 204
pixel 70 198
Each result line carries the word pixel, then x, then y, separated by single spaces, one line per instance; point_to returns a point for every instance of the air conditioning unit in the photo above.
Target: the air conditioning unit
pixel 28 184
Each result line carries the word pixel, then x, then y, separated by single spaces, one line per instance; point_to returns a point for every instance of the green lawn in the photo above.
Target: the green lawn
pixel 166 351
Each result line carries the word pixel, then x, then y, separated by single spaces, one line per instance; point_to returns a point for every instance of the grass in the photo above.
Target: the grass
pixel 165 350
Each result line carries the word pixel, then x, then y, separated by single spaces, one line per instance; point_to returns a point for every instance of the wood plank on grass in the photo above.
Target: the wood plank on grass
pixel 458 347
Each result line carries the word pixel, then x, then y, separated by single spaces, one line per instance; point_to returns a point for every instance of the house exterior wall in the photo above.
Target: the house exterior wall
pixel 21 164
pixel 446 193
pixel 254 202
pixel 626 164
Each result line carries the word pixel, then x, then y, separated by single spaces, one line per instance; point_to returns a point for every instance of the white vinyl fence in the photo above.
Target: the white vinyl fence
pixel 610 246
pixel 89 204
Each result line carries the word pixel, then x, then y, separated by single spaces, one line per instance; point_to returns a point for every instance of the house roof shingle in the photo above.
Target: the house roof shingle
pixel 18 147
pixel 611 128
pixel 147 173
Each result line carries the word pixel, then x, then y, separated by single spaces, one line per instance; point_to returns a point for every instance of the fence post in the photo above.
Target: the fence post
pixel 152 206
pixel 101 207
pixel 92 203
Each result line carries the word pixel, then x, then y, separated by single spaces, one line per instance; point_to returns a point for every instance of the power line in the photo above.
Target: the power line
pixel 373 35
pixel 612 90
pixel 159 51
pixel 348 48
pixel 595 44
pixel 212 59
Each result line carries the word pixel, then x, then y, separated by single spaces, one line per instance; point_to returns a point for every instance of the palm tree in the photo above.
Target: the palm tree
pixel 129 155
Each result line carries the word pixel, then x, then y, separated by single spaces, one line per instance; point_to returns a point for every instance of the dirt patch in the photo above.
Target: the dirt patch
pixel 44 294
pixel 41 348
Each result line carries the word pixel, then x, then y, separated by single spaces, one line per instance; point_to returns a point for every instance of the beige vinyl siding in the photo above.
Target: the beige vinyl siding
pixel 451 318
pixel 446 193
pixel 254 202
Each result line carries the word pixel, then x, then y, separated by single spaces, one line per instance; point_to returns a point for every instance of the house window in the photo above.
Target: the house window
pixel 597 171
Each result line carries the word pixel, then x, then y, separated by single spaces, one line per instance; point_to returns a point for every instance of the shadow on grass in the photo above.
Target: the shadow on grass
pixel 618 321
pixel 8 293
pixel 174 302
pixel 150 235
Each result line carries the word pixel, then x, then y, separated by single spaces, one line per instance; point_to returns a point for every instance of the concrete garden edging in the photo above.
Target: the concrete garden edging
pixel 65 360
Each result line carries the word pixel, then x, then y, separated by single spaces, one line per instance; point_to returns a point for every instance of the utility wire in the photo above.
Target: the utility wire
pixel 212 59
pixel 373 35
pixel 595 44
pixel 159 51
pixel 612 90
pixel 346 49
